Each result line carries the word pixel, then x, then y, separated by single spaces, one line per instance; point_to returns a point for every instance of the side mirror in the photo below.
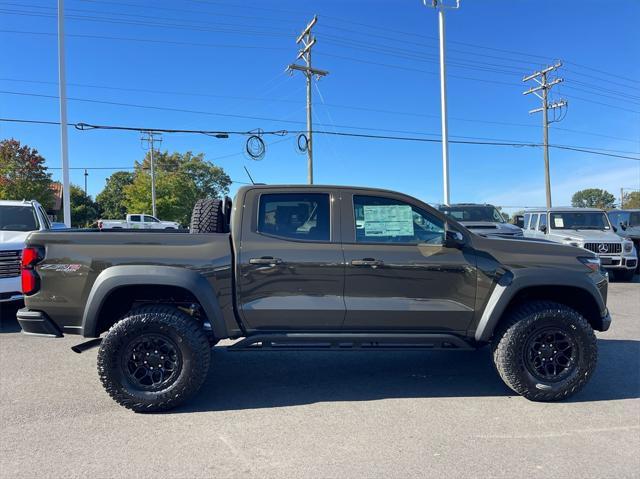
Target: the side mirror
pixel 453 238
pixel 542 228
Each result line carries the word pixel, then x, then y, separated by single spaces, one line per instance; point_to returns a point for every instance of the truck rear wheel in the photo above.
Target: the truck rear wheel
pixel 154 359
pixel 545 351
pixel 208 216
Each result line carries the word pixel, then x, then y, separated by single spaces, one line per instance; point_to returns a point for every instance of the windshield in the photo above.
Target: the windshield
pixel 634 218
pixel 474 213
pixel 579 220
pixel 18 218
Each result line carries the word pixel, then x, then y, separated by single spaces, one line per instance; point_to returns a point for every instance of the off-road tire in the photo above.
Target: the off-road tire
pixel 513 335
pixel 208 217
pixel 160 321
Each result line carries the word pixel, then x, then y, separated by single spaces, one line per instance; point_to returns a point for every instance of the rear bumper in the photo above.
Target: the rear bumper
pixel 37 323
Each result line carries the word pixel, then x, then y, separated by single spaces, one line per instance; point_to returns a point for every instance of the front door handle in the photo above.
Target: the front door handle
pixel 374 263
pixel 266 260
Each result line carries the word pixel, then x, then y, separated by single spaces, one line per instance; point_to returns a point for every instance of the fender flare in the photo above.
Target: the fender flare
pixel 509 285
pixel 117 277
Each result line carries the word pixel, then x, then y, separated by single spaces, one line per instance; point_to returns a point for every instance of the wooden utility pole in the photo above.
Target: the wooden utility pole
pixel 308 41
pixel 543 87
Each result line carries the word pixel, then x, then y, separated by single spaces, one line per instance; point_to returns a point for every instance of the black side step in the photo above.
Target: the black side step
pixel 348 342
pixel 82 347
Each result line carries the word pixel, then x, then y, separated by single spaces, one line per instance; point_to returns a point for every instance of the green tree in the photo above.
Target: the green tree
pixel 631 200
pixel 23 174
pixel 181 179
pixel 111 199
pixel 84 211
pixel 593 198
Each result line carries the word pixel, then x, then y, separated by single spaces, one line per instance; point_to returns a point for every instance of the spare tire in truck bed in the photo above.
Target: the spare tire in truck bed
pixel 208 217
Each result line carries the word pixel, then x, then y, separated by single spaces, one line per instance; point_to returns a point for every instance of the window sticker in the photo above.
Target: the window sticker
pixel 388 220
pixel 558 222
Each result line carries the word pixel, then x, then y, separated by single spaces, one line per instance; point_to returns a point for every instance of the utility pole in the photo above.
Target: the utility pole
pixel 150 137
pixel 86 202
pixel 440 5
pixel 64 143
pixel 540 77
pixel 308 41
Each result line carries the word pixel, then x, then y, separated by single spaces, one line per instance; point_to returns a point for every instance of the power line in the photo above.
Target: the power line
pixel 278 120
pixel 331 105
pixel 350 22
pixel 83 126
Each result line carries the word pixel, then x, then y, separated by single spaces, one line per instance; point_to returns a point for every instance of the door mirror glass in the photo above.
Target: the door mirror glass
pixel 543 228
pixel 453 239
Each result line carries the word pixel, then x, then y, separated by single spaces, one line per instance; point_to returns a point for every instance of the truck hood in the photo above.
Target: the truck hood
pixel 16 238
pixel 587 236
pixel 491 228
pixel 530 252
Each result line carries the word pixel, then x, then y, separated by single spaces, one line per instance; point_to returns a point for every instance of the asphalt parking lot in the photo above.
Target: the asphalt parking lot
pixel 346 414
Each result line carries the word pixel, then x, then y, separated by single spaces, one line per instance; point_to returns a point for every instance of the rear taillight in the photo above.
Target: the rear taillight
pixel 30 279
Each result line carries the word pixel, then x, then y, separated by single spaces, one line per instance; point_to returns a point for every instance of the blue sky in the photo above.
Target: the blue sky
pixel 217 58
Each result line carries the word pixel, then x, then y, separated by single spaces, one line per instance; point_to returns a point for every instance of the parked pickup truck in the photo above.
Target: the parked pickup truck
pixel 317 267
pixel 138 222
pixel 17 220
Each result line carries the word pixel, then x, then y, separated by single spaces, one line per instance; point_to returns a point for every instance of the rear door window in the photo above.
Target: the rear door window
pixel 534 221
pixel 134 218
pixel 296 216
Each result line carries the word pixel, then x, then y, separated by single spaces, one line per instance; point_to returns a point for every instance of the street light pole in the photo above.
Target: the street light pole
pixel 443 104
pixel 440 5
pixel 64 143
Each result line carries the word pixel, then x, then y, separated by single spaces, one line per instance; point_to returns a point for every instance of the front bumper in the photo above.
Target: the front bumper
pixel 619 262
pixel 37 323
pixel 10 289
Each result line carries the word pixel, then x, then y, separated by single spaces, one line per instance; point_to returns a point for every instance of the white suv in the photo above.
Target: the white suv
pixel 17 220
pixel 587 228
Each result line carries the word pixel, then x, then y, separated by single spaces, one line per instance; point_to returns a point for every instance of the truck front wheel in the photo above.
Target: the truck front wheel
pixel 154 359
pixel 545 351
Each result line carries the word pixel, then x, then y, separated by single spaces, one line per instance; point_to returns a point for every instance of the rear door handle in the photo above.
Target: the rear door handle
pixel 266 260
pixel 374 263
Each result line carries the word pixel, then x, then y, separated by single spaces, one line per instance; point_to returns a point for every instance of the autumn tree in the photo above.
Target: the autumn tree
pixel 593 198
pixel 23 174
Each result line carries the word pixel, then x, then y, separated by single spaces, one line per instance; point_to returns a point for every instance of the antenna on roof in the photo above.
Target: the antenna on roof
pixel 249 175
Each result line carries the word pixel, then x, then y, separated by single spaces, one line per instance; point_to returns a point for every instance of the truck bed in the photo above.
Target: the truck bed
pixel 73 260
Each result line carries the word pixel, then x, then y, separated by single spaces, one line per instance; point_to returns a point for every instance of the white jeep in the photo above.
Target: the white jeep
pixel 587 228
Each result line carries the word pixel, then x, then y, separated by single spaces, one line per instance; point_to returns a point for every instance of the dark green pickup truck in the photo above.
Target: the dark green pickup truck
pixel 316 267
